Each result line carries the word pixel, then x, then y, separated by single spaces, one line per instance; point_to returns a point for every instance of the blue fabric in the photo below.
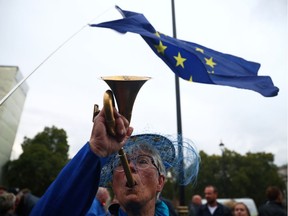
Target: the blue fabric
pixel 96 209
pixel 192 61
pixel 74 189
pixel 161 209
pixel 164 146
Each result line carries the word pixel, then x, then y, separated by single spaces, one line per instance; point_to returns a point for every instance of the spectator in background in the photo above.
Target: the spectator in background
pixel 230 204
pixel 212 207
pixel 195 204
pixel 98 207
pixel 274 205
pixel 2 189
pixel 240 209
pixel 25 202
pixel 7 204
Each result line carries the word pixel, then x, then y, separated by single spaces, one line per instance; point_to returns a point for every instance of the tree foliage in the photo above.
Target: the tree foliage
pixel 236 176
pixel 42 158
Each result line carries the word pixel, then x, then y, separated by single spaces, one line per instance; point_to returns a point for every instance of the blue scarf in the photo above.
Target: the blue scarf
pixel 161 209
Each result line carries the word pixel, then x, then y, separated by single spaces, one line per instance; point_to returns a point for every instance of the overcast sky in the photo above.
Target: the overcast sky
pixel 63 90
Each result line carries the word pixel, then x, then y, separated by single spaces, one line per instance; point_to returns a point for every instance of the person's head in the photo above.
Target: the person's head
pixel 148 172
pixel 211 194
pixel 273 193
pixel 2 189
pixel 240 209
pixel 149 157
pixel 7 203
pixel 103 195
pixel 196 199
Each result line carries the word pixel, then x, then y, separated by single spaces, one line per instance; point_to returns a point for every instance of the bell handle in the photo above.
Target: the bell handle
pixel 108 102
pixel 110 121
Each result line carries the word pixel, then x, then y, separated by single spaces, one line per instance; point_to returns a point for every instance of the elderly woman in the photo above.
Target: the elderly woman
pixel 97 164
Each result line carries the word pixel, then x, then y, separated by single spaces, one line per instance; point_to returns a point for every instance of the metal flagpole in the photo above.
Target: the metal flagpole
pixel 179 124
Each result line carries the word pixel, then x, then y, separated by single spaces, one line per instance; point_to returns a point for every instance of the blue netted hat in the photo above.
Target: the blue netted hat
pixel 181 157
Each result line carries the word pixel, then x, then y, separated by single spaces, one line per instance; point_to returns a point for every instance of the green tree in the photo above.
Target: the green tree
pixel 42 159
pixel 237 175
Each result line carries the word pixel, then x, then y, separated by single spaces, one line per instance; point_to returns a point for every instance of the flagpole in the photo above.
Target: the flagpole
pixel 179 120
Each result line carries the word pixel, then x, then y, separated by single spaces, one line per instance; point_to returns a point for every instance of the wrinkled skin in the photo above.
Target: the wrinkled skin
pixel 101 143
pixel 139 199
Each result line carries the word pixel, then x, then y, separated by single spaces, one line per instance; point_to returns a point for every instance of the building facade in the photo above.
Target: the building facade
pixel 10 110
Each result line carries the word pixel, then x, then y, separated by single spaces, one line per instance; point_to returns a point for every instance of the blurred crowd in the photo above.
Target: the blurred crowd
pixel 274 205
pixel 15 202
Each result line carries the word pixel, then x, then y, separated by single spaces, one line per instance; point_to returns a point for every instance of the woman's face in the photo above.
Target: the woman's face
pixel 240 210
pixel 148 183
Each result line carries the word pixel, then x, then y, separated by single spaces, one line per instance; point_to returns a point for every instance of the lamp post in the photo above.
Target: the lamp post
pixel 222 147
pixel 170 185
pixel 224 185
pixel 179 120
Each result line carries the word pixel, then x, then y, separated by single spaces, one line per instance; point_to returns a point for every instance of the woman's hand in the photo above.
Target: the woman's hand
pixel 102 143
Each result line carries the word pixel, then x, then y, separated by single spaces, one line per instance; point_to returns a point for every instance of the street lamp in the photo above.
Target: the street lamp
pixel 169 176
pixel 222 148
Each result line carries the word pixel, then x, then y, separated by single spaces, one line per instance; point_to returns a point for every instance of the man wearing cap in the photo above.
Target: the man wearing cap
pixel 97 164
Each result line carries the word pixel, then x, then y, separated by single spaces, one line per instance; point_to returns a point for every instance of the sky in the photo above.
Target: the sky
pixel 73 57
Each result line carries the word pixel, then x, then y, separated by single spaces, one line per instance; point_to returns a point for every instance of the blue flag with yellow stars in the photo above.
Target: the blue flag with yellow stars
pixel 192 61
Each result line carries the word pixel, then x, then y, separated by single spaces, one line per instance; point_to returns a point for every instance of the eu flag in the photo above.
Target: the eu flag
pixel 192 61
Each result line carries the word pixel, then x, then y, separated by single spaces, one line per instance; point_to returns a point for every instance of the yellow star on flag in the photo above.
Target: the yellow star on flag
pixel 199 50
pixel 160 48
pixel 157 34
pixel 180 60
pixel 210 62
